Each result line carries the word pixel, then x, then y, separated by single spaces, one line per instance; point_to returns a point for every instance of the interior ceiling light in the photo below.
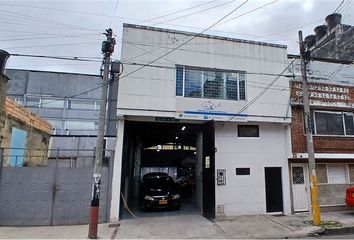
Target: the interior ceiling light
pixel 183 128
pixel 176 137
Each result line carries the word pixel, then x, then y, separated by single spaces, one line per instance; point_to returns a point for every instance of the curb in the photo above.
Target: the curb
pixel 338 231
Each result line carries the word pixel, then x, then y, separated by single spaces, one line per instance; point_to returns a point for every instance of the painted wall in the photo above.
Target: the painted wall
pixel 245 194
pixel 37 142
pixel 152 90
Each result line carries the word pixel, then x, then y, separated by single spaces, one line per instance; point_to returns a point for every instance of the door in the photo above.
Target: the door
pixel 299 181
pixel 274 190
pixel 17 147
pixel 208 166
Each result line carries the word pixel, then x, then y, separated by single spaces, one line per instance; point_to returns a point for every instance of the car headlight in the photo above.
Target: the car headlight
pixel 149 198
pixel 176 196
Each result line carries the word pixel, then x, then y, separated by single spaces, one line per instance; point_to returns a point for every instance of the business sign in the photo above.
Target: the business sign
pixel 206 109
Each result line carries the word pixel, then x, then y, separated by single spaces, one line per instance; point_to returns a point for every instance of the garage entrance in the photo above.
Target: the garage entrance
pixel 159 151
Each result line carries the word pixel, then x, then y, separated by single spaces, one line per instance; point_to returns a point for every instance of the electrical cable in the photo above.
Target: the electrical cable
pixel 179 11
pixel 250 103
pixel 190 14
pixel 114 13
pixel 126 206
pixel 253 10
pixel 162 56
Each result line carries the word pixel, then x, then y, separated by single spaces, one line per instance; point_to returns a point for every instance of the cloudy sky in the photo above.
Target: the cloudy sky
pixel 73 28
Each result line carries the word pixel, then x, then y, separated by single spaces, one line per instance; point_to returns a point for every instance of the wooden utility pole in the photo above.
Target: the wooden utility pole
pixel 304 56
pixel 107 50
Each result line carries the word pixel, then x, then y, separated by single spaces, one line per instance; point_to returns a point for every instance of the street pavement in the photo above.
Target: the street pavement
pixel 193 225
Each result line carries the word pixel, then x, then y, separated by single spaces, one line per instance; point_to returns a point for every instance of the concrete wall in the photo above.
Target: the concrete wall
pixel 246 194
pixel 152 90
pixel 332 194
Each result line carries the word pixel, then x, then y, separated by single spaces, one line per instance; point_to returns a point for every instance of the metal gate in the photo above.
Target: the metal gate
pixel 51 195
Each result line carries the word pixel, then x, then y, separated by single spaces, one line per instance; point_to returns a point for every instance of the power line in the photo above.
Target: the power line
pixel 179 11
pixel 253 10
pixel 114 13
pixel 51 36
pixel 82 59
pixel 162 56
pixel 190 14
pixel 250 103
pixel 53 45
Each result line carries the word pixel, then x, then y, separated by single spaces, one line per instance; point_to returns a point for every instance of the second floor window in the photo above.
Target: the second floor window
pixel 210 83
pixel 333 123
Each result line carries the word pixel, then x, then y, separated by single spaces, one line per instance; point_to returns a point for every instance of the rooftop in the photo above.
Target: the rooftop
pixel 128 25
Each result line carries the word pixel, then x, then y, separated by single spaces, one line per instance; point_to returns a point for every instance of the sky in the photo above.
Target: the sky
pixel 73 28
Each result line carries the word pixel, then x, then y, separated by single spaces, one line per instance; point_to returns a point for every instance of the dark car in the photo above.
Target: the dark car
pixel 159 191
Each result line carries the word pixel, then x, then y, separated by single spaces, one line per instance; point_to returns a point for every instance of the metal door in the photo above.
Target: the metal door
pixel 299 175
pixel 17 147
pixel 274 189
pixel 208 170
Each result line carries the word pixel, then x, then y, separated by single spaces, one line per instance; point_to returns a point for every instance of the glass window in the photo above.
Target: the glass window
pixel 193 83
pixel 351 172
pixel 79 125
pixel 179 80
pixel 210 83
pixel 84 105
pixel 349 123
pixel 329 123
pixel 321 171
pixel 32 102
pixel 337 173
pixel 333 123
pixel 248 130
pixel 52 103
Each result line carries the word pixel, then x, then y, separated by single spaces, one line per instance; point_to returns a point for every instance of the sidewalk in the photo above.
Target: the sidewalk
pixel 195 226
pixel 292 226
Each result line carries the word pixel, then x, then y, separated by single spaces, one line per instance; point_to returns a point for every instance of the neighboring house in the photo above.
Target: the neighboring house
pixel 331 92
pixel 204 97
pixel 54 96
pixel 22 133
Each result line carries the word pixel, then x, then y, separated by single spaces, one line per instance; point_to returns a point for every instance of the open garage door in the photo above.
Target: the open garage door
pixel 209 170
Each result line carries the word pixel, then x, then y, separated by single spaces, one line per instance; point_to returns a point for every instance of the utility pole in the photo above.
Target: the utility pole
pixel 107 50
pixel 305 56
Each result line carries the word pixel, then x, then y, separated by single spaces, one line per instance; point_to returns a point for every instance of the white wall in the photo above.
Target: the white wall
pixel 246 194
pixel 155 88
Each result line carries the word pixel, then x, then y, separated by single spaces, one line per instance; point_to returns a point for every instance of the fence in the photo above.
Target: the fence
pixel 56 194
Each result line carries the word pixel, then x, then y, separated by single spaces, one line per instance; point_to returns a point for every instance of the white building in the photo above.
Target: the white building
pixel 165 111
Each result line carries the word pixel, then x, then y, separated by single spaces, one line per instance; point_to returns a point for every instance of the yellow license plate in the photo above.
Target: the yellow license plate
pixel 162 202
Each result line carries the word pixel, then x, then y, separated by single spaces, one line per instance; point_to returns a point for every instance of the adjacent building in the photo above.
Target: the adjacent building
pixel 203 101
pixel 331 92
pixel 54 96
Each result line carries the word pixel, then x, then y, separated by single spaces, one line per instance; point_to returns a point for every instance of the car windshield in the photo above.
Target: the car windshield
pixel 159 182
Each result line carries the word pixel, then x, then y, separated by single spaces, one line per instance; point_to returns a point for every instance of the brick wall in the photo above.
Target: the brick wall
pixel 322 144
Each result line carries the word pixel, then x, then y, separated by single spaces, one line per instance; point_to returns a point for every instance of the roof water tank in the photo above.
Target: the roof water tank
pixel 3 59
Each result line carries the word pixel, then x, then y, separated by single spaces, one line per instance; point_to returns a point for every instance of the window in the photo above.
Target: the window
pixel 80 125
pixel 52 103
pixel 243 171
pixel 210 83
pixel 337 173
pixel 333 123
pixel 84 104
pixel 248 130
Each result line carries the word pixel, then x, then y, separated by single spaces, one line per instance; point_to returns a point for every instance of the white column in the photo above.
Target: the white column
pixel 117 173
